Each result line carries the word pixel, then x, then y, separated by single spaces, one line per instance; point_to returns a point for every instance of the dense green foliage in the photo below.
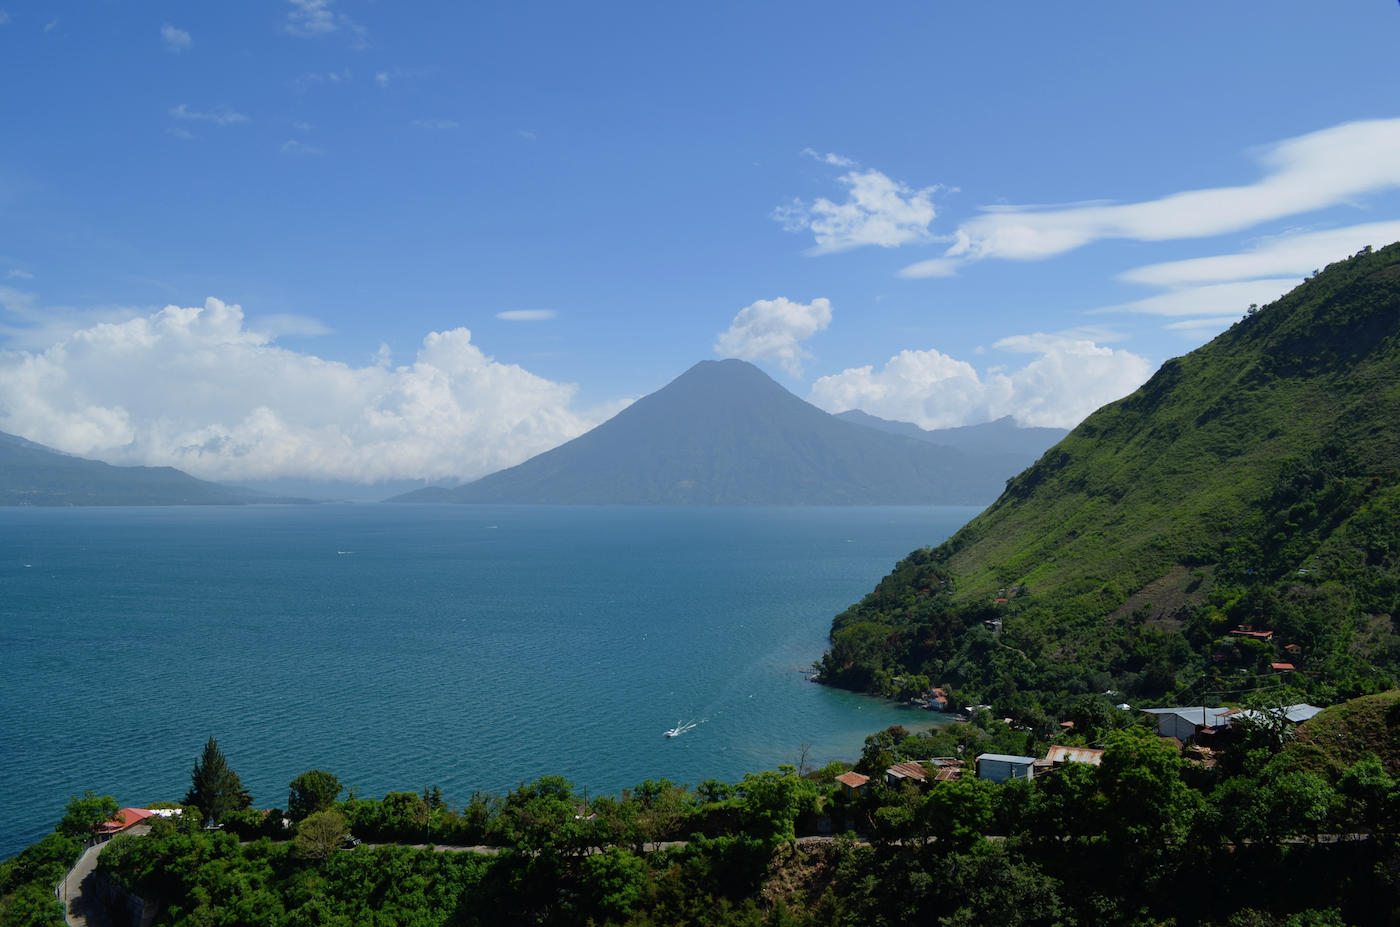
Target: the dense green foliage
pixel 724 433
pixel 1282 831
pixel 1253 481
pixel 31 474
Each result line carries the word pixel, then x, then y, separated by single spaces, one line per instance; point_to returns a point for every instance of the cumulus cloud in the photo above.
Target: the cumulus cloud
pixel 877 211
pixel 1067 380
pixel 1304 174
pixel 176 40
pixel 773 329
pixel 278 324
pixel 219 116
pixel 195 388
pixel 527 315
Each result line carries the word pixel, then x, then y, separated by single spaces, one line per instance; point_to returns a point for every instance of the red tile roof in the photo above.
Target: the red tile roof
pixel 1283 666
pixel 125 818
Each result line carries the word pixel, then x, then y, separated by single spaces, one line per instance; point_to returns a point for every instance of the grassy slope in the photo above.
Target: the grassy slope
pixel 1168 517
pixel 1171 473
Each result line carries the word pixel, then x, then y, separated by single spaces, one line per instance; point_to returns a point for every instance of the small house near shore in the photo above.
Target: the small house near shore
pixel 998 767
pixel 853 784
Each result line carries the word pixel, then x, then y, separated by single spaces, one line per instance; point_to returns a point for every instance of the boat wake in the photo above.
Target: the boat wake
pixel 680 728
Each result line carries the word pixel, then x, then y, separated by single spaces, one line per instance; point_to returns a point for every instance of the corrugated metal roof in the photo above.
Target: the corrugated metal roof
pixel 853 779
pixel 1074 755
pixel 908 771
pixel 1194 715
pixel 1007 758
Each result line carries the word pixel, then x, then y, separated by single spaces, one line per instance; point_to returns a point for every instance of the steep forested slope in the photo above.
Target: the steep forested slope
pixel 1253 480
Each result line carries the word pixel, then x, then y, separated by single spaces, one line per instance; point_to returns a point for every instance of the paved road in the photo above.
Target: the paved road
pixel 76 892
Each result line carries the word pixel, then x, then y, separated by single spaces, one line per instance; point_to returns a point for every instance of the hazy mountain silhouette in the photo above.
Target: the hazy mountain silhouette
pixel 32 474
pixel 724 433
pixel 1002 436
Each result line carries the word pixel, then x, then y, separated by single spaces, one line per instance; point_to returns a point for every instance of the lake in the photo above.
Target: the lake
pixel 472 647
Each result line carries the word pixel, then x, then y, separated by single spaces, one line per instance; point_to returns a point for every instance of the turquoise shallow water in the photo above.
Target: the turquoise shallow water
pixel 400 646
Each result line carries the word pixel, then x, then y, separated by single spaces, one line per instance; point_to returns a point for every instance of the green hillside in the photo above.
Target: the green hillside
pixel 1253 480
pixel 31 474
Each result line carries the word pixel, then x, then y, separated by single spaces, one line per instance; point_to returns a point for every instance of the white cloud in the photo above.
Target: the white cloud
pixel 772 329
pixel 196 389
pixel 13 300
pixel 52 25
pixel 433 124
pixel 4 17
pixel 878 211
pixel 182 134
pixel 294 147
pixel 529 135
pixel 220 116
pixel 829 158
pixel 1216 299
pixel 310 18
pixel 1202 325
pixel 1059 388
pixel 18 274
pixel 1294 255
pixel 278 324
pixel 527 315
pixel 176 40
pixel 1306 173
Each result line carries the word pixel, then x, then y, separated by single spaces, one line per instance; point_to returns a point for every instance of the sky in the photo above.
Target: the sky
pixel 361 241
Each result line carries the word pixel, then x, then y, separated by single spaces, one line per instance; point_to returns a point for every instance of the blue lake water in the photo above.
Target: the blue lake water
pixel 400 646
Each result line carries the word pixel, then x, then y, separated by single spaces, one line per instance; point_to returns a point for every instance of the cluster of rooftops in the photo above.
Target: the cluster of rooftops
pixel 1197 725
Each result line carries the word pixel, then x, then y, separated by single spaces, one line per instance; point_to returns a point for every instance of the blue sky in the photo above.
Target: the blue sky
pixel 814 187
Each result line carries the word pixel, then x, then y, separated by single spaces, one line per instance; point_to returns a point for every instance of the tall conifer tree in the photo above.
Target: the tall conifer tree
pixel 215 789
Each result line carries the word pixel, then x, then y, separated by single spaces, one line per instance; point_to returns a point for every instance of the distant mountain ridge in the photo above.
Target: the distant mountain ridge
pixel 724 433
pixel 1002 436
pixel 32 474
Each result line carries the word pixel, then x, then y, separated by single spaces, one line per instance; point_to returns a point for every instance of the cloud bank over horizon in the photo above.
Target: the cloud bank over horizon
pixel 1067 381
pixel 196 389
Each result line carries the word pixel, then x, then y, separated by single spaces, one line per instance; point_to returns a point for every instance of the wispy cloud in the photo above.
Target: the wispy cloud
pixel 1304 174
pixel 774 329
pixel 182 134
pixel 1213 300
pixel 306 81
pixel 877 211
pixel 277 325
pixel 221 115
pixel 830 158
pixel 303 126
pixel 4 17
pixel 52 25
pixel 12 300
pixel 18 274
pixel 527 315
pixel 313 18
pixel 294 147
pixel 529 135
pixel 176 40
pixel 433 124
pixel 1296 254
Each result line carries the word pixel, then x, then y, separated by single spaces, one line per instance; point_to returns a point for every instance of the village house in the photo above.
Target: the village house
pixel 853 784
pixel 1059 756
pixel 998 767
pixel 900 773
pixel 1185 723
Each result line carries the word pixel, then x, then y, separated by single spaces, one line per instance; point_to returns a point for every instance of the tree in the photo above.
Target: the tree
pixel 83 814
pixel 320 835
pixel 214 788
pixel 772 803
pixel 312 791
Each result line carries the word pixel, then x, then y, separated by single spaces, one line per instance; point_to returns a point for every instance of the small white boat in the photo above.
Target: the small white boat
pixel 680 728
